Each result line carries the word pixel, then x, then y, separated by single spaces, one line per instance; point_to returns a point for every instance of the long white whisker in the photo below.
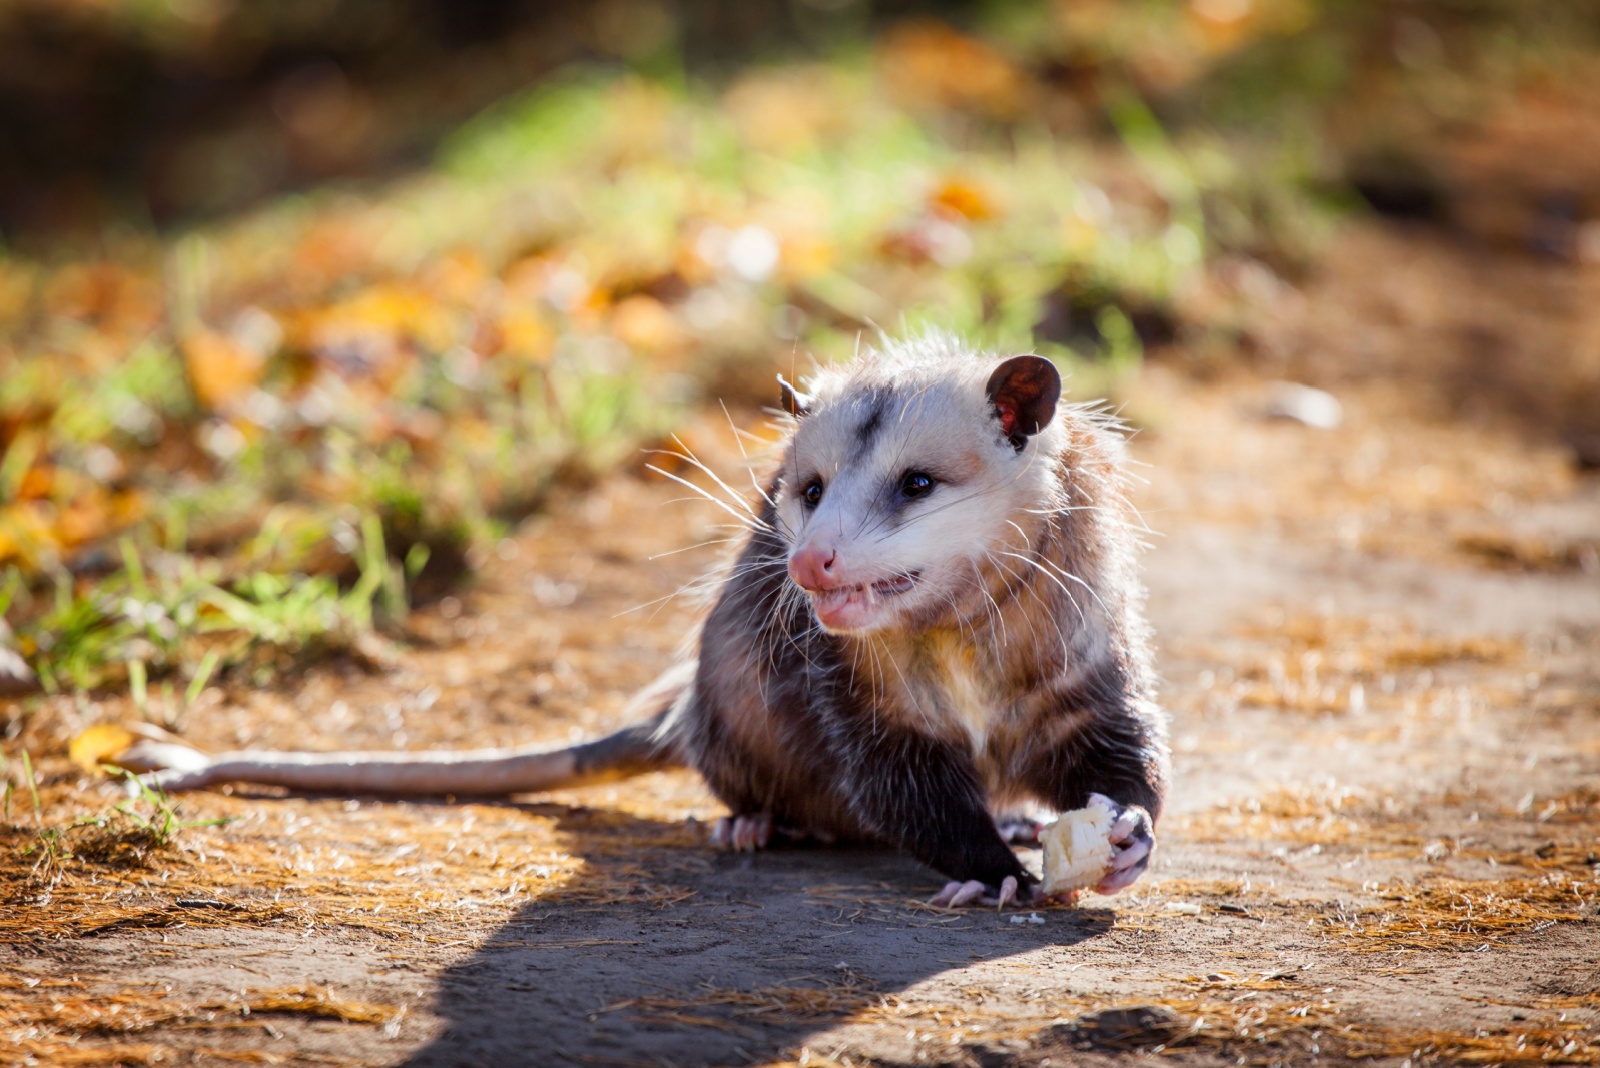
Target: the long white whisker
pixel 738 436
pixel 688 457
pixel 1082 617
pixel 1022 583
pixel 992 609
pixel 1070 577
pixel 690 548
pixel 748 520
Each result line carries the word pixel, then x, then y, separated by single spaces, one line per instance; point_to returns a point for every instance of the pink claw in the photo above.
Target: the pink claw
pixel 957 894
pixel 742 834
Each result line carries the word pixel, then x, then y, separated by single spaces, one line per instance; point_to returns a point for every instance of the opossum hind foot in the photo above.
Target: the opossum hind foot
pixel 957 894
pixel 742 834
pixel 1017 829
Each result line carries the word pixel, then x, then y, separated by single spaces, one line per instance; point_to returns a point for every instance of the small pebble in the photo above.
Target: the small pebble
pixel 16 677
pixel 1305 405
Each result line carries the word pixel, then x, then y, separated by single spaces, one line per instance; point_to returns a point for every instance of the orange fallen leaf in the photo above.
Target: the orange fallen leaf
pixel 964 198
pixel 783 115
pixel 459 278
pixel 926 62
pixel 397 309
pixel 643 323
pixel 100 744
pixel 36 483
pixel 805 256
pixel 27 532
pixel 220 370
pixel 84 518
pixel 524 334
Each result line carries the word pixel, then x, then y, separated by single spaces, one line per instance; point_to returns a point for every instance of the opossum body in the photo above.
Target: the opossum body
pixel 935 617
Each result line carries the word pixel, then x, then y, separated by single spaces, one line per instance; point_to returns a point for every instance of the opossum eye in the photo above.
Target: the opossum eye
pixel 916 484
pixel 812 494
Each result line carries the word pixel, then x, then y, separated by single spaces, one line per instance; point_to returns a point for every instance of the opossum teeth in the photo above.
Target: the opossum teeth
pixel 1077 849
pixel 866 593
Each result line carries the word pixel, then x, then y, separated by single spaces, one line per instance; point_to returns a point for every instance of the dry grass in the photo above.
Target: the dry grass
pixel 129 1012
pixel 1233 981
pixel 1372 645
pixel 1247 1023
pixel 62 1021
pixel 1230 1025
pixel 1236 1015
pixel 1458 914
pixel 1245 1027
pixel 1513 553
pixel 1530 1043
pixel 397 869
pixel 1580 806
pixel 1142 907
pixel 1246 1018
pixel 1433 830
pixel 1336 665
pixel 1323 815
pixel 123 1055
pixel 1576 857
pixel 409 872
pixel 1590 1000
pixel 1439 913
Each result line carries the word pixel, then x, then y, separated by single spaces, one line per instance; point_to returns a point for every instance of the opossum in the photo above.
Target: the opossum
pixel 935 620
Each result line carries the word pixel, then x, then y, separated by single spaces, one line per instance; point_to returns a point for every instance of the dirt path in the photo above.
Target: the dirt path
pixel 1381 647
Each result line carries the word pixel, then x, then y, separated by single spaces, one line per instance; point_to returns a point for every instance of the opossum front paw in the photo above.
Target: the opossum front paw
pixel 1132 838
pixel 742 834
pixel 958 894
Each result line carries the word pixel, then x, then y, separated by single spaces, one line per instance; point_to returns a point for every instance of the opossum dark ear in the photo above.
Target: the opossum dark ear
pixel 794 402
pixel 1024 391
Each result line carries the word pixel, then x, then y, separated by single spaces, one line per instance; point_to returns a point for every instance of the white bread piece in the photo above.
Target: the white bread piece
pixel 1077 849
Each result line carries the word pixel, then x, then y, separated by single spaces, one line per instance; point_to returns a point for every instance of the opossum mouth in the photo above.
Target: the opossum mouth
pixel 846 607
pixel 891 587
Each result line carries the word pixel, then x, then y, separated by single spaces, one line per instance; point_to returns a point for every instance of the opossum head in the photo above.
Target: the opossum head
pixel 908 480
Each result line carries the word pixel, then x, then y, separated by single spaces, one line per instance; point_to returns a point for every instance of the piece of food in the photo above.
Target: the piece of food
pixel 1077 849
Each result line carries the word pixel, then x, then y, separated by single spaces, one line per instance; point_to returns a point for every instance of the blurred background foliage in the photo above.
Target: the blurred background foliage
pixel 301 304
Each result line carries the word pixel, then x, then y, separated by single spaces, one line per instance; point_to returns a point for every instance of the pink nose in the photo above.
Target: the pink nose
pixel 812 568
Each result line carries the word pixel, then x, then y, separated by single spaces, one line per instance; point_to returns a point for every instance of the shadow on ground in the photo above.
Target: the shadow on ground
pixel 661 952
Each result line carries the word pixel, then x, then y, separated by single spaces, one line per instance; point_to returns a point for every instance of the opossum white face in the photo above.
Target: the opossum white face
pixel 904 486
